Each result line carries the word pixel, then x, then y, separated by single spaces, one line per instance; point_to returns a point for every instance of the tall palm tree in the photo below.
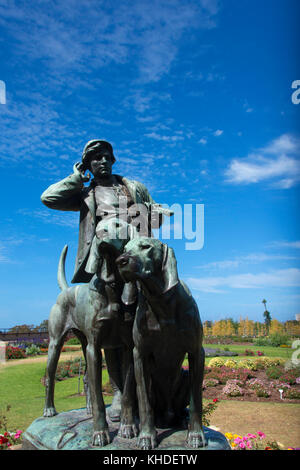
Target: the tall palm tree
pixel 267 316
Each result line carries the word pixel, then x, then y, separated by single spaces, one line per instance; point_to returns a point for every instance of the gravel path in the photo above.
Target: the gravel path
pixel 64 356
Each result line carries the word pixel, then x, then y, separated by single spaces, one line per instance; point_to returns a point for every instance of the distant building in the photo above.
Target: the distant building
pixel 297 316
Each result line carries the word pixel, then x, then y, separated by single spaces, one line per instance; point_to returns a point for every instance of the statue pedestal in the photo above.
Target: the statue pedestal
pixel 72 430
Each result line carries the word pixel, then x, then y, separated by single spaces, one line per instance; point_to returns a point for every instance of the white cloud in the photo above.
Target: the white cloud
pixel 286 244
pixel 277 278
pixel 87 36
pixel 277 162
pixel 218 132
pixel 252 258
pixel 165 138
pixel 203 141
pixel 63 219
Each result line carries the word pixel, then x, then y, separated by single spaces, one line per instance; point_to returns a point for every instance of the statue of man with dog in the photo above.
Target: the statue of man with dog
pixel 103 199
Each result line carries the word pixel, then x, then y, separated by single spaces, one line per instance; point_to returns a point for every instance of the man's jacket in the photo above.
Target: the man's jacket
pixel 70 194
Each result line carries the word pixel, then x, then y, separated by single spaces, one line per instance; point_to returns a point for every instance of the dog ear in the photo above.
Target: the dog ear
pixel 169 268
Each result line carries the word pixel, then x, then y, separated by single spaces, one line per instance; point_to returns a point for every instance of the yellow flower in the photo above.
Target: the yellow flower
pixel 229 435
pixel 233 444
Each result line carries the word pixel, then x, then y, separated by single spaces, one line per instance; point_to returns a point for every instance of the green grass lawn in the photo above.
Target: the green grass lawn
pixel 269 351
pixel 21 388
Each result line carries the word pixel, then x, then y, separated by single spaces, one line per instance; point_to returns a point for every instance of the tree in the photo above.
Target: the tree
pixel 267 316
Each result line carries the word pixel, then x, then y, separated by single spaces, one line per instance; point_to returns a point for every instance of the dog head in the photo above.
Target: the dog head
pixel 146 258
pixel 112 234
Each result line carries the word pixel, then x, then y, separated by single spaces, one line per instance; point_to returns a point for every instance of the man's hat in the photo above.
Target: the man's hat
pixel 97 144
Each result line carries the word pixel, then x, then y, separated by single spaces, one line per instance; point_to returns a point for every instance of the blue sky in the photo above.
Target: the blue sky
pixel 195 97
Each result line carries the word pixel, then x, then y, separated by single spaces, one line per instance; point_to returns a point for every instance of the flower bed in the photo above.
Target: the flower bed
pixel 9 439
pixel 252 385
pixel 14 352
pixel 251 442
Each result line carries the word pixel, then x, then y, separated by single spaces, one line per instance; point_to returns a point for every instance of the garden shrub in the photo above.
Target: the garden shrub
pixel 32 350
pixel 266 362
pixel 247 364
pixel 72 341
pixel 290 376
pixel 262 341
pixel 261 388
pixel 249 352
pixel 292 393
pixel 12 352
pixel 262 392
pixel 274 372
pixel 210 383
pixel 216 362
pixel 231 363
pixel 233 389
pixel 276 339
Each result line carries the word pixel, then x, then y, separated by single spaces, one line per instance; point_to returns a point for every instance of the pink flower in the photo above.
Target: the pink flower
pixel 251 436
pixel 237 440
pixel 249 445
pixel 261 434
pixel 242 445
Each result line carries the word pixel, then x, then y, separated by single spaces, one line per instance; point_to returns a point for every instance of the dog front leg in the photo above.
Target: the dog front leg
pixel 147 435
pixel 128 428
pixel 54 349
pixel 195 437
pixel 94 365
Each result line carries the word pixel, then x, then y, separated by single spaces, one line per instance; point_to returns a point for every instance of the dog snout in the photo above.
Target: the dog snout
pixel 123 260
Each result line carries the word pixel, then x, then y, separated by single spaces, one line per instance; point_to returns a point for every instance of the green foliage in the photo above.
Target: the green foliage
pixel 216 362
pixel 292 393
pixel 208 409
pixel 276 339
pixel 72 341
pixel 32 350
pixel 274 372
pixel 262 341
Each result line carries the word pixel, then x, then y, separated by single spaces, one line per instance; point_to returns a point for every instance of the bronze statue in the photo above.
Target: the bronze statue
pixel 97 203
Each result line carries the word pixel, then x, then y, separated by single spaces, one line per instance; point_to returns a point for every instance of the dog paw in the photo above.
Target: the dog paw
pixel 128 431
pixel 49 412
pixel 147 441
pixel 100 438
pixel 196 439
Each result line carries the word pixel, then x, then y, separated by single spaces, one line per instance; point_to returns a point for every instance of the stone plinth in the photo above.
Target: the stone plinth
pixel 72 430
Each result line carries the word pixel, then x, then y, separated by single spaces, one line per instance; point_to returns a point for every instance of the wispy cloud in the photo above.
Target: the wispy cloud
pixel 252 258
pixel 286 244
pixel 277 162
pixel 88 36
pixel 64 219
pixel 165 138
pixel 280 278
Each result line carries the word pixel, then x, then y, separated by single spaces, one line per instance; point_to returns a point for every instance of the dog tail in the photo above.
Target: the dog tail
pixel 61 273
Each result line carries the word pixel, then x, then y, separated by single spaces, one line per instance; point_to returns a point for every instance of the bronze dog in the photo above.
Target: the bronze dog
pixel 167 326
pixel 95 313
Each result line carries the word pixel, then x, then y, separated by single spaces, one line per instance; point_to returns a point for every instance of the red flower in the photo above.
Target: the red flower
pixel 215 400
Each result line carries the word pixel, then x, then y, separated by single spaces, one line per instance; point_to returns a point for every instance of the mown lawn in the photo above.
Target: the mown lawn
pixel 22 390
pixel 269 351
